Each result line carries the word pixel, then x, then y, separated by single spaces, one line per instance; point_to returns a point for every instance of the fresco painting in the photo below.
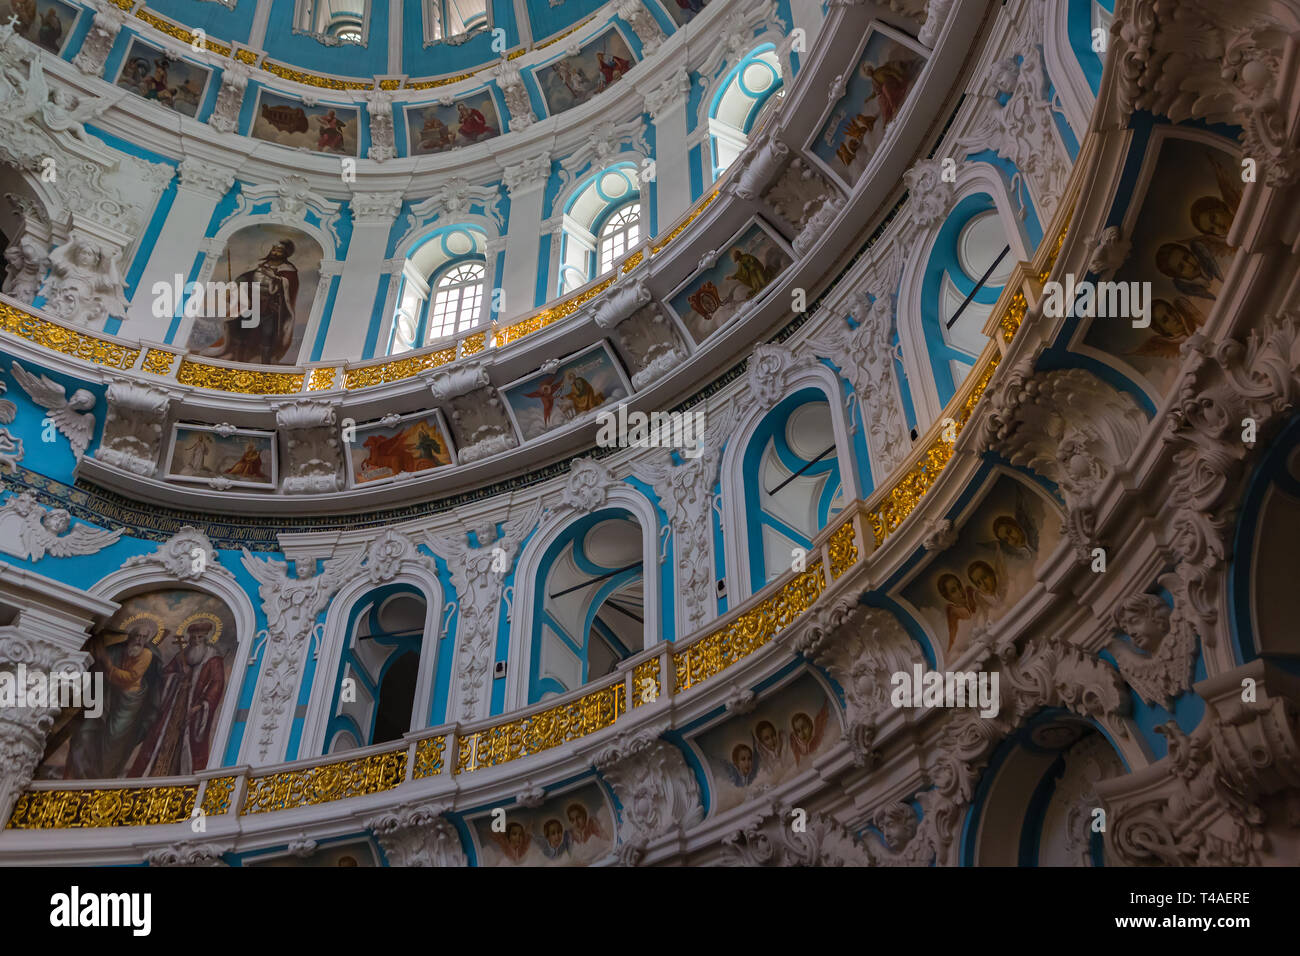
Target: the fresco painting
pixel 165 659
pixel 1179 245
pixel 990 568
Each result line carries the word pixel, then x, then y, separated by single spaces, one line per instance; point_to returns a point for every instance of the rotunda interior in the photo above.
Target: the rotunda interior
pixel 498 433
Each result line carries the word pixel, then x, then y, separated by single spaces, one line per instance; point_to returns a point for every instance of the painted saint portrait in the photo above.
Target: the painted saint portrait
pixel 775 742
pixel 876 90
pixel 990 568
pixel 47 23
pixel 571 829
pixel 579 385
pixel 684 11
pixel 1179 245
pixel 243 457
pixel 409 446
pixel 435 128
pixel 598 65
pixel 155 75
pixel 291 122
pixel 743 270
pixel 282 265
pixel 165 662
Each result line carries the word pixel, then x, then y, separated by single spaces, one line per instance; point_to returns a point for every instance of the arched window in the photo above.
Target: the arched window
pixel 748 89
pixel 333 21
pixel 602 224
pixel 619 234
pixel 442 289
pixel 457 296
pixel 444 19
pixel 376 686
pixel 793 486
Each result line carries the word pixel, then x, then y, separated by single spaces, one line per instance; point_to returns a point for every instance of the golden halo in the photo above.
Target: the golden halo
pixel 126 627
pixel 215 621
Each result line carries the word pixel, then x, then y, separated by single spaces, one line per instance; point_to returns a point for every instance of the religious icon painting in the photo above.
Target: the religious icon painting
pixel 322 128
pixel 164 662
pixel 222 456
pixel 408 445
pixel 994 563
pixel 887 67
pixel 574 828
pixel 150 72
pixel 744 269
pixel 275 268
pixel 47 23
pixel 777 741
pixel 434 128
pixel 578 386
pixel 1190 187
pixel 574 79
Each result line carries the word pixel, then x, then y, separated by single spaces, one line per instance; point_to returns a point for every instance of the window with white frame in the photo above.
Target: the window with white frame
pixel 451 19
pixel 619 234
pixel 333 21
pixel 457 297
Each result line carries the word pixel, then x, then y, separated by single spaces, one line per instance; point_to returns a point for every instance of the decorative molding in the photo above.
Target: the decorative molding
pixel 418 835
pixel 313 460
pixel 187 555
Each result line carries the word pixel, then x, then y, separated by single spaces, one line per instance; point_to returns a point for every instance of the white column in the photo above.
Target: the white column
pixel 526 184
pixel 199 189
pixel 666 104
pixel 372 220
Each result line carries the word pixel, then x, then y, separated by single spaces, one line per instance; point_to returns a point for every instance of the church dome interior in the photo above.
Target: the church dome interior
pixel 530 433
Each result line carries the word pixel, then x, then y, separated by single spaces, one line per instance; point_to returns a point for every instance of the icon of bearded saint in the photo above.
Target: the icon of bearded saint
pixel 275 279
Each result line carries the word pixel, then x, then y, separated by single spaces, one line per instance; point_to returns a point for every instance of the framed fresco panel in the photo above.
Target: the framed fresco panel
pixel 886 68
pixel 574 79
pixel 777 741
pixel 244 457
pixel 573 828
pixel 407 445
pixel 434 128
pixel 323 128
pixel 1190 187
pixel 150 72
pixel 47 23
pixel 994 562
pixel 744 269
pixel 582 383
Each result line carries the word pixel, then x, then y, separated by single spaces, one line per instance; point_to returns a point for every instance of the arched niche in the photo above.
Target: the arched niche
pixel 815 384
pixel 292 270
pixel 348 649
pixel 740 102
pixel 1035 804
pixel 535 583
pixel 938 352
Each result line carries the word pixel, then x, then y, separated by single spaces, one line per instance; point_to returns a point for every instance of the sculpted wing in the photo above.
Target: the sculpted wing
pixel 77 427
pixel 83 539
